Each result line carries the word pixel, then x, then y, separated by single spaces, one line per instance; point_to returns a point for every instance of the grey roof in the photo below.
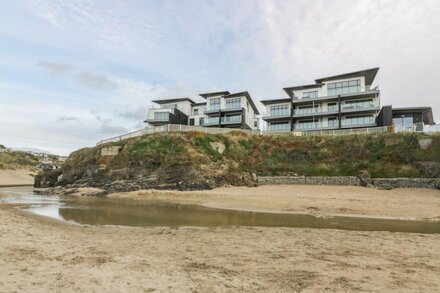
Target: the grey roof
pixel 248 97
pixel 274 101
pixel 166 101
pixel 303 87
pixel 369 74
pixel 212 94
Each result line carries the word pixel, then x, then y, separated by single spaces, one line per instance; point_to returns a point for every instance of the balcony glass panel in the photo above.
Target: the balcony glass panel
pixel 312 94
pixel 359 104
pixel 307 110
pixel 307 125
pixel 161 115
pixel 211 120
pixel 279 127
pixel 236 118
pixel 358 120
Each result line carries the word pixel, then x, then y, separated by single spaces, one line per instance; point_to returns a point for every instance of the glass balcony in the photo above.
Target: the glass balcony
pixel 211 120
pixel 231 119
pixel 233 106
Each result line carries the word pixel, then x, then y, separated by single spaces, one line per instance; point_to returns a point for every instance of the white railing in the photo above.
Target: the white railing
pixel 186 128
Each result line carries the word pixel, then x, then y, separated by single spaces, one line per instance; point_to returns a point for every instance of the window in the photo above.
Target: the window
pixel 279 126
pixel 161 115
pixel 359 120
pixel 344 87
pixel 233 103
pixel 332 107
pixel 359 104
pixel 279 110
pixel 191 121
pixel 333 122
pixel 196 112
pixel 255 123
pixel 215 104
pixel 307 109
pixel 312 94
pixel 169 106
pixel 232 118
pixel 201 120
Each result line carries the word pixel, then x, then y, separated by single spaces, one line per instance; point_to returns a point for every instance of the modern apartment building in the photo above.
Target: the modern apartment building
pixel 335 102
pixel 224 109
pixel 221 109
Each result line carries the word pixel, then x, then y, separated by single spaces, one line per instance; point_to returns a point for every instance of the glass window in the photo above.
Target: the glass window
pixel 307 124
pixel 307 109
pixel 312 94
pixel 214 104
pixel 359 104
pixel 359 120
pixel 233 103
pixel 332 122
pixel 345 87
pixel 196 112
pixel 279 110
pixel 169 106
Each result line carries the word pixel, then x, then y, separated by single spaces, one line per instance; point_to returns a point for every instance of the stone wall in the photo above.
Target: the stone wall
pixel 351 181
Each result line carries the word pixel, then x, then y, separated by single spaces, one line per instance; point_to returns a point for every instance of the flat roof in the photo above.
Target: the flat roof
pixel 423 108
pixel 274 101
pixel 369 74
pixel 166 101
pixel 248 97
pixel 212 94
pixel 303 87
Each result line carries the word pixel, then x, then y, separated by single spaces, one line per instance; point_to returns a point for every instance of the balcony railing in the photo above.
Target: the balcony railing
pixel 315 111
pixel 231 119
pixel 233 106
pixel 359 106
pixel 315 125
pixel 211 120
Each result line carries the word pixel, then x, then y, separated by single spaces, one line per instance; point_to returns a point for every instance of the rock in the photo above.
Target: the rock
pixel 425 143
pixel 254 177
pixel 110 151
pixel 365 178
pixel 218 146
pixel 59 178
pixel 437 183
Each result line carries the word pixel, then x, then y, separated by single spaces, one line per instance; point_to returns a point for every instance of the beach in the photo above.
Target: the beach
pixel 40 254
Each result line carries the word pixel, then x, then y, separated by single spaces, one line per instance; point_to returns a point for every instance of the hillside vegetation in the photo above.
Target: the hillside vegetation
pixel 190 161
pixel 16 160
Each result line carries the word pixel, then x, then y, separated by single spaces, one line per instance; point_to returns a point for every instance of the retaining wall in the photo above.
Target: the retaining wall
pixel 350 181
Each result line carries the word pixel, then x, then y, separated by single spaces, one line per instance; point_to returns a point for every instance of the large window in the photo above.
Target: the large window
pixel 196 111
pixel 344 87
pixel 359 120
pixel 332 122
pixel 332 107
pixel 307 109
pixel 359 104
pixel 279 126
pixel 169 106
pixel 233 103
pixel 279 110
pixel 312 94
pixel 161 115
pixel 214 104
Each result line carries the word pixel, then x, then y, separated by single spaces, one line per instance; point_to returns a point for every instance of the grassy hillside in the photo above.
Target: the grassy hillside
pixel 17 160
pixel 383 155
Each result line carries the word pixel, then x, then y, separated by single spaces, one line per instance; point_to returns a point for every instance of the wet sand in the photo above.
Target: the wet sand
pixel 399 203
pixel 38 254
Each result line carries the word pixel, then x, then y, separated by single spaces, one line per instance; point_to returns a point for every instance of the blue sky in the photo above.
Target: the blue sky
pixel 75 72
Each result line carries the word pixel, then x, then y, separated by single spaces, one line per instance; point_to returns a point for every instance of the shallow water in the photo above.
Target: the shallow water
pixel 125 212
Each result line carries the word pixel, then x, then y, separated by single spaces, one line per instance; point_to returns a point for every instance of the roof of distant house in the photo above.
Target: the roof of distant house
pixel 274 101
pixel 213 94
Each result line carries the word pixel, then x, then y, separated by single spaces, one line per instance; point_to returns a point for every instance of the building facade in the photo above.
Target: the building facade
pixel 335 102
pixel 221 109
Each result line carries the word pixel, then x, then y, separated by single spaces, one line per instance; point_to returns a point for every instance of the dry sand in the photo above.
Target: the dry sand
pixel 17 177
pixel 42 255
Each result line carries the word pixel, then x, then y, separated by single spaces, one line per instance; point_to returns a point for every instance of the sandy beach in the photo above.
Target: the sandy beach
pixel 40 255
pixel 16 177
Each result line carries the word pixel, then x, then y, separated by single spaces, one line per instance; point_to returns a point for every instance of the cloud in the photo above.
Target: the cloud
pixel 68 118
pixel 137 115
pixel 95 81
pixel 55 68
pixel 113 130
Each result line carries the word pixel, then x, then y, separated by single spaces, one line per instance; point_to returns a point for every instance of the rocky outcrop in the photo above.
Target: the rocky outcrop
pixel 365 178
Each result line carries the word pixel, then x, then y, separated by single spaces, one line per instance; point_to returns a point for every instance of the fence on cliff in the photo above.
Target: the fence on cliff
pixel 214 130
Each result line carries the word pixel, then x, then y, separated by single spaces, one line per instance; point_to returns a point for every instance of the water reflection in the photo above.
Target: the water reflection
pixel 102 211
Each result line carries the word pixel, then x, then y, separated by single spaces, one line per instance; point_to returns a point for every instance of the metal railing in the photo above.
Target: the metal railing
pixel 186 128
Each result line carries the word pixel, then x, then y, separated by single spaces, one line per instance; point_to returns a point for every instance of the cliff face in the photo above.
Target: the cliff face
pixel 203 161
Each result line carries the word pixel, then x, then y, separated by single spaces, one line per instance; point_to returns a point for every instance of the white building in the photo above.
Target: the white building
pixel 336 102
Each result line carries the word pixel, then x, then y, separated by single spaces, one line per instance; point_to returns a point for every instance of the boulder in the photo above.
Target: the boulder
pixel 365 178
pixel 218 146
pixel 425 143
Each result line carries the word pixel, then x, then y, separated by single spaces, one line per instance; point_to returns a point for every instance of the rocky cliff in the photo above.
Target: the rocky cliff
pixel 202 161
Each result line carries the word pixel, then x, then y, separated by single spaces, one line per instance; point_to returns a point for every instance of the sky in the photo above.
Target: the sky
pixel 75 72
